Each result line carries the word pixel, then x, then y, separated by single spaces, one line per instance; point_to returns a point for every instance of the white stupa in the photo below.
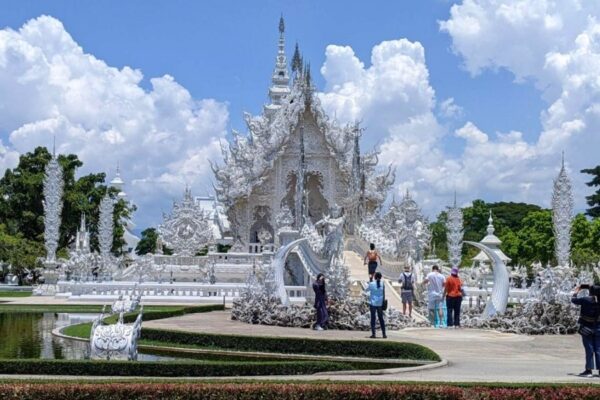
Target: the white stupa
pixel 131 240
pixel 493 242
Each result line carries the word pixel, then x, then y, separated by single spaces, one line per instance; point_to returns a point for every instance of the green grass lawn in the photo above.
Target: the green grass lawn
pixel 15 293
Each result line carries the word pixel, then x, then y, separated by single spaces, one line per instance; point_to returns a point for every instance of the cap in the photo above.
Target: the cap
pixel 454 271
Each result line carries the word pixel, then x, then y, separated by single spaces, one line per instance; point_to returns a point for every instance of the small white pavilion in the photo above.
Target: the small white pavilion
pixel 493 242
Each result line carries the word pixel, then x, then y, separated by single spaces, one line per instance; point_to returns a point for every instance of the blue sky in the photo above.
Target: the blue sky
pixel 508 67
pixel 225 49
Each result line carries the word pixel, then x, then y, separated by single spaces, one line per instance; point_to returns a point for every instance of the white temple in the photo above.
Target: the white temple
pixel 295 156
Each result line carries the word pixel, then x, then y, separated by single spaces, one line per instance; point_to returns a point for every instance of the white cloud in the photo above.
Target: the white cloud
pixel 162 137
pixel 449 109
pixel 556 45
pixel 472 134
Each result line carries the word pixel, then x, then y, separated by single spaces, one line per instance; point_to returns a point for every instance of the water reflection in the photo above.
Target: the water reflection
pixel 29 335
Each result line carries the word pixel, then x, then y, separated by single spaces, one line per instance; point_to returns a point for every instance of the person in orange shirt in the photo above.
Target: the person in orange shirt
pixel 454 293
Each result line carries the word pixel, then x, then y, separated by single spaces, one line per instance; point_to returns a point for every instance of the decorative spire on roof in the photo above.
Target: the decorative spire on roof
pixel 490 228
pixel 118 183
pixel 297 60
pixel 280 79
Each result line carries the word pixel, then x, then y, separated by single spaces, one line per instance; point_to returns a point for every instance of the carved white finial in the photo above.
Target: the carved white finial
pixel 490 228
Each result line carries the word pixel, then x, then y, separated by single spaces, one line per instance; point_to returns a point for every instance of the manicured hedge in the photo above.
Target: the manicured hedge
pixel 168 369
pixel 160 314
pixel 290 391
pixel 288 345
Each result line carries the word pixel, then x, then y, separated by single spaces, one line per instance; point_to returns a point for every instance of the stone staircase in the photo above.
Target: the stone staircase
pixel 359 278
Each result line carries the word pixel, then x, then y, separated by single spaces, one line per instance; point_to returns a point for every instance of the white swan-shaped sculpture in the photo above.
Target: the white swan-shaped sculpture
pixel 499 298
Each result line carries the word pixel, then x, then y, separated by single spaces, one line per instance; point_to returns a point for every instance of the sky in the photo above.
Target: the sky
pixel 474 96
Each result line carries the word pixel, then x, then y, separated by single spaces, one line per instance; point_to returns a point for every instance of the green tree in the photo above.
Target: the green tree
pixel 593 200
pixel 147 243
pixel 21 195
pixel 585 241
pixel 536 238
pixel 439 237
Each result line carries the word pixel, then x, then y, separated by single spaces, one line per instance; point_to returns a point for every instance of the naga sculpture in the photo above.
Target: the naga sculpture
pixel 278 266
pixel 126 304
pixel 115 342
pixel 499 298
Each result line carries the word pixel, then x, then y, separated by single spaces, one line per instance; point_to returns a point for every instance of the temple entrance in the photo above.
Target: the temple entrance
pixel 261 230
pixel 317 204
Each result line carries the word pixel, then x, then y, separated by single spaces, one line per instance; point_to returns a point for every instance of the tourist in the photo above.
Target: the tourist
pixel 372 256
pixel 376 298
pixel 454 295
pixel 589 326
pixel 435 295
pixel 321 303
pixel 407 280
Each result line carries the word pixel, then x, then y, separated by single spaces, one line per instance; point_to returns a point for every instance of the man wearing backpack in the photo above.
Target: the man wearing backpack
pixel 407 280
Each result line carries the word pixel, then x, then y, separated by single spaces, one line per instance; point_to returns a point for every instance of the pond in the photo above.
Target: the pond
pixel 29 335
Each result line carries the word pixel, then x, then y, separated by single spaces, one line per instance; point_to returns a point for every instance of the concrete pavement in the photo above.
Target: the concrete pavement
pixel 473 355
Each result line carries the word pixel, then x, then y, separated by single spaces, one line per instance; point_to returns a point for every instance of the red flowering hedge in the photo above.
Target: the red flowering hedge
pixel 293 391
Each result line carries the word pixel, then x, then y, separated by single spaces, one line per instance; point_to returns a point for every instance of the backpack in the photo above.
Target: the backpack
pixel 407 283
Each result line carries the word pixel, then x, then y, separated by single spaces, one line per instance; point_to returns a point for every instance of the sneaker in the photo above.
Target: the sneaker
pixel 385 336
pixel 372 337
pixel 586 374
pixel 318 328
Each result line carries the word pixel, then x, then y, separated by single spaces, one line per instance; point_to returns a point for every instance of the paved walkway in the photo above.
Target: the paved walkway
pixel 473 355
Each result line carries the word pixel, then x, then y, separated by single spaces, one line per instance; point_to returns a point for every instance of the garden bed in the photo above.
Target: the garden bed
pixel 294 391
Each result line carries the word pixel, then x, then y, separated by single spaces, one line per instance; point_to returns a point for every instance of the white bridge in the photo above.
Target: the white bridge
pixel 177 292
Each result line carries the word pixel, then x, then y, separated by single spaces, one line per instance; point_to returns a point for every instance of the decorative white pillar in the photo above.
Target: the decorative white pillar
pixel 53 191
pixel 106 226
pixel 562 216
pixel 454 238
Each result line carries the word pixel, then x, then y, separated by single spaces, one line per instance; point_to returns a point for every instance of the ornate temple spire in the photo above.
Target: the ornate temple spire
pixel 118 183
pixel 280 79
pixel 106 225
pixel 454 225
pixel 562 215
pixel 82 242
pixel 53 204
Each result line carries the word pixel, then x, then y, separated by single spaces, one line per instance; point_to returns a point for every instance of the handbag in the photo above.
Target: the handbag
pixel 384 303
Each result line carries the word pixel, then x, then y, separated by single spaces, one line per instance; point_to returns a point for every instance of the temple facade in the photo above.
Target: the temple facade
pixel 295 160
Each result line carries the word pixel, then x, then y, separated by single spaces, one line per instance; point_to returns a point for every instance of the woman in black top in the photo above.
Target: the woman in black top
pixel 321 303
pixel 589 326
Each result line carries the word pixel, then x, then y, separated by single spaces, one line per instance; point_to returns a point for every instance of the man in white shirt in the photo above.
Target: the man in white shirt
pixel 435 293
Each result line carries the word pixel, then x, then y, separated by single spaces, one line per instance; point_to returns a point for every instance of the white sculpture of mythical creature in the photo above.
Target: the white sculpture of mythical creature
pixel 125 304
pixel 496 304
pixel 115 342
pixel 334 232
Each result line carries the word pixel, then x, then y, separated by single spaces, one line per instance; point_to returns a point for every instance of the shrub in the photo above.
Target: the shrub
pixel 287 391
pixel 169 369
pixel 348 348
